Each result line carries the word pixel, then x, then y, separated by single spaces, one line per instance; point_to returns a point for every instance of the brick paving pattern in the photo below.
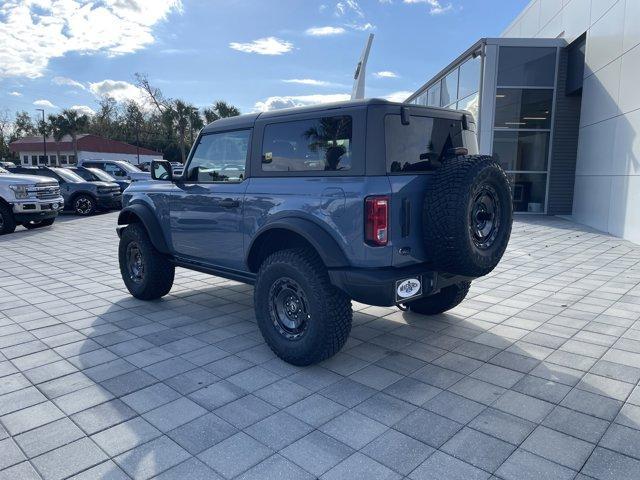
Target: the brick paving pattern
pixel 534 376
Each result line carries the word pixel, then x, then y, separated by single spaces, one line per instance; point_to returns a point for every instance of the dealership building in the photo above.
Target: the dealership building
pixel 556 105
pixel 36 151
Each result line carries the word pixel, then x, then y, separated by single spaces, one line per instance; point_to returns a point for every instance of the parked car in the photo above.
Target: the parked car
pixel 118 169
pixel 84 198
pixel 97 175
pixel 4 164
pixel 31 201
pixel 378 202
pixel 144 166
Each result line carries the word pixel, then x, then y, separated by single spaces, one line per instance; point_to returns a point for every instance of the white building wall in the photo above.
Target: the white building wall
pixel 128 157
pixel 607 188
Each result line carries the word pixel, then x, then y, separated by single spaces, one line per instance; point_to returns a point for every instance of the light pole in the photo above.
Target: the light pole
pixel 44 135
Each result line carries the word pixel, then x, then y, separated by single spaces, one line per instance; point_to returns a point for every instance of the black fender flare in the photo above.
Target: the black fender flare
pixel 326 246
pixel 139 212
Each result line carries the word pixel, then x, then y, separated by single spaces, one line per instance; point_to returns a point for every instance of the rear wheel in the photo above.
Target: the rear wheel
pixel 7 222
pixel 147 274
pixel 444 300
pixel 38 223
pixel 303 318
pixel 84 205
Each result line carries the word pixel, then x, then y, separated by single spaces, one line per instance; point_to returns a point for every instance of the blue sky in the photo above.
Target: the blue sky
pixel 254 54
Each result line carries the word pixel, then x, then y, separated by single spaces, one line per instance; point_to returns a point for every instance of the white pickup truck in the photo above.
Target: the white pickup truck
pixel 28 200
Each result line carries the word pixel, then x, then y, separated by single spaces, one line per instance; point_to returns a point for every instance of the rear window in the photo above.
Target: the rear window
pixel 411 148
pixel 320 144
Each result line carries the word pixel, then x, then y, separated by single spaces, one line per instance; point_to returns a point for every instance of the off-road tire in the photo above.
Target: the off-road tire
pixel 90 209
pixel 159 272
pixel 444 300
pixel 449 204
pixel 329 308
pixel 8 223
pixel 47 222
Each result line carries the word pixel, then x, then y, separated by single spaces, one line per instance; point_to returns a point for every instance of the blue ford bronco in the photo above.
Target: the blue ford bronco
pixel 372 201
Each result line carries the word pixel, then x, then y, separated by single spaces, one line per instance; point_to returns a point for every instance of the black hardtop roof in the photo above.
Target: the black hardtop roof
pixel 247 120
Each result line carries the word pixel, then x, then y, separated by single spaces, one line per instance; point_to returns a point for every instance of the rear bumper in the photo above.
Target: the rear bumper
pixel 379 286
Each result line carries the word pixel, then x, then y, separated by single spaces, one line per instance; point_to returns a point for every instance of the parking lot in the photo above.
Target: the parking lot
pixel 533 377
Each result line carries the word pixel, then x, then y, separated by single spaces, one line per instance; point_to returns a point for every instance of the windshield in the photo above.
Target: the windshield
pixel 101 175
pixel 68 175
pixel 127 167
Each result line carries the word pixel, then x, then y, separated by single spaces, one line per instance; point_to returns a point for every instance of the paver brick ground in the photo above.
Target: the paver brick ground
pixel 535 375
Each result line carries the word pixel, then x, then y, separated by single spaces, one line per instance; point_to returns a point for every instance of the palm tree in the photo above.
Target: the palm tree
pixel 324 136
pixel 195 122
pixel 72 123
pixel 220 109
pixel 182 112
pixel 55 125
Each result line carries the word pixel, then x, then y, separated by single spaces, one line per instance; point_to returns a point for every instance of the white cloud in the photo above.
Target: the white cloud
pixel 119 90
pixel 345 7
pixel 277 103
pixel 44 103
pixel 69 82
pixel 15 94
pixel 325 31
pixel 400 96
pixel 32 32
pixel 435 6
pixel 264 46
pixel 308 81
pixel 83 109
pixel 363 27
pixel 386 74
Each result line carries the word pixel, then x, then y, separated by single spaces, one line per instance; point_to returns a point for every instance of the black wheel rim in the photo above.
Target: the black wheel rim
pixel 1 222
pixel 484 217
pixel 83 206
pixel 135 265
pixel 289 308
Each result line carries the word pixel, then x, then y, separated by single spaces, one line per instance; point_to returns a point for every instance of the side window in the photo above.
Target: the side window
pixel 219 157
pixel 320 144
pixel 114 170
pixel 412 148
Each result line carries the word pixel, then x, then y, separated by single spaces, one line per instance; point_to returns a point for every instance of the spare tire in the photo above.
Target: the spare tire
pixel 467 215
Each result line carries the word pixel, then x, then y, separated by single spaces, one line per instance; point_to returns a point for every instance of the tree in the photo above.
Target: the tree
pixel 5 134
pixel 23 125
pixel 182 112
pixel 56 127
pixel 220 109
pixel 154 94
pixel 72 123
pixel 195 123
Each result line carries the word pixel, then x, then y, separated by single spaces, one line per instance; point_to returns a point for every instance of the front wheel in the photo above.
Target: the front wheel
pixel 7 222
pixel 84 205
pixel 147 274
pixel 303 318
pixel 38 223
pixel 444 300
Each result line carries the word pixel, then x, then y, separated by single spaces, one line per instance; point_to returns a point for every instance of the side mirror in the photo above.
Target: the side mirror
pixel 161 170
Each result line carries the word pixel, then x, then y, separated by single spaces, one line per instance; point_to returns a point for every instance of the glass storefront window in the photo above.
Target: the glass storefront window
pixel 526 66
pixel 518 150
pixel 523 108
pixel 433 95
pixel 471 103
pixel 529 191
pixel 449 92
pixel 469 77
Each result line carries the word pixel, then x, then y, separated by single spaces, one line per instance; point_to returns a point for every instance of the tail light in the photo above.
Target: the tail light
pixel 377 220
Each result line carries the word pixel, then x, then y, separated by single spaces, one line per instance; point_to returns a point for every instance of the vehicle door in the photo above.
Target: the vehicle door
pixel 207 205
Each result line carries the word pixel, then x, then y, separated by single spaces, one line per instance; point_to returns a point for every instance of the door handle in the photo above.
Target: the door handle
pixel 229 203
